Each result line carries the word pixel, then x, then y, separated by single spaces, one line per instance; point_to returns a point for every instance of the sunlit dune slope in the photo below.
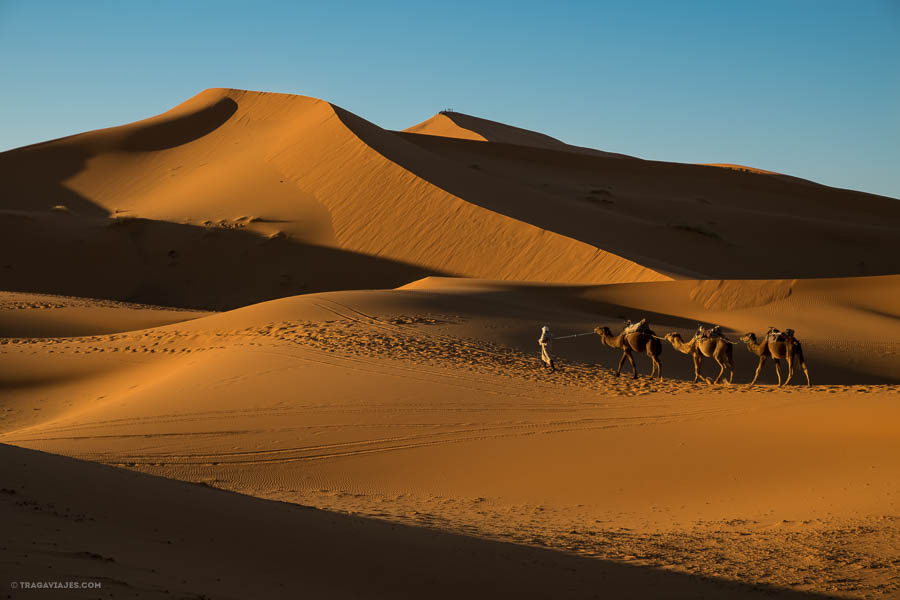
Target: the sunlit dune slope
pixel 848 328
pixel 741 168
pixel 149 537
pixel 454 124
pixel 687 220
pixel 235 197
pixel 234 173
pixel 427 406
pixel 44 316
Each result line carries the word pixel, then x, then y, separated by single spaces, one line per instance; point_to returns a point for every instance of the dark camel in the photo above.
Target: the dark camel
pixel 640 341
pixel 787 348
pixel 717 348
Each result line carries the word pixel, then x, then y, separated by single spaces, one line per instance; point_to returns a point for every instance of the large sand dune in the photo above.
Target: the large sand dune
pixel 277 185
pixel 375 357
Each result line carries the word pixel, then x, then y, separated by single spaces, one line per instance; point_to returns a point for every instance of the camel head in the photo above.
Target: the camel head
pixel 748 338
pixel 674 336
pixel 603 331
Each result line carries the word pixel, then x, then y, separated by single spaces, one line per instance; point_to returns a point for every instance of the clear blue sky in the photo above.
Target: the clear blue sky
pixel 806 87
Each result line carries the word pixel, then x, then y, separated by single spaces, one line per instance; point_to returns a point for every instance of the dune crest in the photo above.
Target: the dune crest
pixel 459 125
pixel 234 169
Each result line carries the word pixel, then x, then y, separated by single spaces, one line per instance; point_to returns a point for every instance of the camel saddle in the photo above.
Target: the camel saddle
pixel 708 332
pixel 775 335
pixel 639 327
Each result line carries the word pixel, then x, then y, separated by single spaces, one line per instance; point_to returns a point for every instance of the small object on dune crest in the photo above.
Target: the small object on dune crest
pixel 62 208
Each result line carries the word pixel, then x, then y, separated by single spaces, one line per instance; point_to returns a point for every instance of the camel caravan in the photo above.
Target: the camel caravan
pixel 707 342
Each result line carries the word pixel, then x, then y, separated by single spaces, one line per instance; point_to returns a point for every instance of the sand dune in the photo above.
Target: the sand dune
pixel 233 172
pixel 340 400
pixel 155 538
pixel 269 166
pixel 458 125
pixel 375 357
pixel 43 316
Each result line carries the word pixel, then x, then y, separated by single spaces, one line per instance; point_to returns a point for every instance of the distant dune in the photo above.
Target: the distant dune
pixel 466 127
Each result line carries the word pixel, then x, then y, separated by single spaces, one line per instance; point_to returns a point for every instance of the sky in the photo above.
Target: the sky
pixel 805 87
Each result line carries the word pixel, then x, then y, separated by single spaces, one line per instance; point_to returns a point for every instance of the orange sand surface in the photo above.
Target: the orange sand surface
pixel 260 347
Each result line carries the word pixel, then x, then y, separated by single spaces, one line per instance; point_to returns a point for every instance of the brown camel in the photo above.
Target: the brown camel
pixel 787 348
pixel 717 348
pixel 639 341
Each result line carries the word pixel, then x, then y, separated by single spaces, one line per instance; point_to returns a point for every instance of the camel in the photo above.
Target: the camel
pixel 640 341
pixel 717 348
pixel 788 348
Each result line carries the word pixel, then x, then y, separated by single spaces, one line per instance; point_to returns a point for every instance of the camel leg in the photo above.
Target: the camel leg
pixel 657 364
pixel 778 370
pixel 721 369
pixel 621 360
pixel 730 366
pixel 762 360
pixel 790 364
pixel 633 366
pixel 655 368
pixel 696 367
pixel 803 366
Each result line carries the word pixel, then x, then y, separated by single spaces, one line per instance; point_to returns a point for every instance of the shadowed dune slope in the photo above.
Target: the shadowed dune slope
pixel 305 173
pixel 426 406
pixel 686 220
pixel 270 165
pixel 147 537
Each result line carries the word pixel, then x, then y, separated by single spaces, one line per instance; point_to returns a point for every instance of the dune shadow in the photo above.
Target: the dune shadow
pixel 34 177
pixel 141 532
pixel 173 264
pixel 540 186
pixel 168 133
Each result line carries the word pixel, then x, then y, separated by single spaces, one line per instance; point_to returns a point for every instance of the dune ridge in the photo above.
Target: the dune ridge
pixel 274 166
pixel 459 125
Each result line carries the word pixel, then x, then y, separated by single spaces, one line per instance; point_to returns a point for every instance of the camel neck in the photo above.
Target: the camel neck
pixel 682 346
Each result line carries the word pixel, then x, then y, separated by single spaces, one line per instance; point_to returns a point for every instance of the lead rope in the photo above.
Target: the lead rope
pixel 575 335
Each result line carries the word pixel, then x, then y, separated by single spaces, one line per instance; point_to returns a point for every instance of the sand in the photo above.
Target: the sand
pixel 272 349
